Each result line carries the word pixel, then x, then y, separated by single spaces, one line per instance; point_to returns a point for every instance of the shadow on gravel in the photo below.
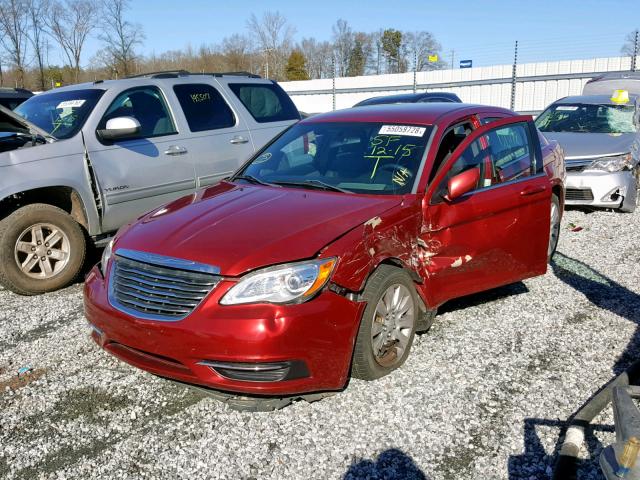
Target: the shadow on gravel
pixel 483 297
pixel 392 464
pixel 606 294
pixel 535 462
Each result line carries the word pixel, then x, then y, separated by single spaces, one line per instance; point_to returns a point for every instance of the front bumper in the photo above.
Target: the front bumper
pixel 601 189
pixel 318 334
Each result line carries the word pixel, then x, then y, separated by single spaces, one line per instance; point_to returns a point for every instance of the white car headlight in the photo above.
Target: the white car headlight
pixel 611 164
pixel 106 255
pixel 289 283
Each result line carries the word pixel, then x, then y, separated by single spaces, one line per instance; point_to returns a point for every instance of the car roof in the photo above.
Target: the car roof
pixel 403 113
pixel 593 100
pixel 154 78
pixel 15 93
pixel 407 97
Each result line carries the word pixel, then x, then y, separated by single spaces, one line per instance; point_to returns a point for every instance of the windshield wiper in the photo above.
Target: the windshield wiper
pixel 313 184
pixel 252 179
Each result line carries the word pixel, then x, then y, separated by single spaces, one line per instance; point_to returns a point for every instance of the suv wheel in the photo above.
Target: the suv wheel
pixel 388 323
pixel 42 249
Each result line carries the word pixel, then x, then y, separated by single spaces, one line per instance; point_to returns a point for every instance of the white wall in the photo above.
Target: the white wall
pixel 472 85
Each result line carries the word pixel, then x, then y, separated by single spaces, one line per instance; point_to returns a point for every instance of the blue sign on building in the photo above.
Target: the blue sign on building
pixel 466 63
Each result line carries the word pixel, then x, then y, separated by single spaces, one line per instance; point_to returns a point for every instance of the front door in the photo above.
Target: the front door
pixel 497 233
pixel 141 173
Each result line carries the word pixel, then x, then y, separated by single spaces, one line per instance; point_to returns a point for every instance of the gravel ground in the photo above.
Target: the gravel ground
pixel 483 395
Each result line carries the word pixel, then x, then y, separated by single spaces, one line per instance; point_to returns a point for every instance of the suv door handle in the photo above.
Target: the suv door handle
pixel 533 190
pixel 175 150
pixel 238 139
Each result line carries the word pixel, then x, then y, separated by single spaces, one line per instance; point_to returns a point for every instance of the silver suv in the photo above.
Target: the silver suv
pixel 78 162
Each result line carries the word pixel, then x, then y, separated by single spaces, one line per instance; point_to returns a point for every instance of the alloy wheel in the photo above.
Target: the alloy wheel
pixel 42 251
pixel 393 323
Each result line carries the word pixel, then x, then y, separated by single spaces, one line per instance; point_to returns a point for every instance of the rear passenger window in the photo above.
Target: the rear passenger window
pixel 502 155
pixel 204 107
pixel 266 102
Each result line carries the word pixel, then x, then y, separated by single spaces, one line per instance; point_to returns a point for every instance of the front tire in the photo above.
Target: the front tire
pixel 388 324
pixel 42 249
pixel 554 227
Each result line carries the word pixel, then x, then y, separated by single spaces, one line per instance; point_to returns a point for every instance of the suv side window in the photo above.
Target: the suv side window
pixel 204 107
pixel 145 104
pixel 502 155
pixel 266 102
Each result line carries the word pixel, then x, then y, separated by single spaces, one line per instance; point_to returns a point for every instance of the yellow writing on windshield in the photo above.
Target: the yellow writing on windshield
pixel 388 147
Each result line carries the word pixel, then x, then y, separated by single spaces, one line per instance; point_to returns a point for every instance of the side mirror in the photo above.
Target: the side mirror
pixel 463 183
pixel 120 128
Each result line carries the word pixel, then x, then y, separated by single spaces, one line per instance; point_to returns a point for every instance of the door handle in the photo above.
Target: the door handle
pixel 175 150
pixel 238 140
pixel 533 190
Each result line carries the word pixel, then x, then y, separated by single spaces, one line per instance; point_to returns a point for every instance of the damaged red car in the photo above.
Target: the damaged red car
pixel 325 253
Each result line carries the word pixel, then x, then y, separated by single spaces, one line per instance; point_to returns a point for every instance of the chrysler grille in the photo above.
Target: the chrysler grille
pixel 157 292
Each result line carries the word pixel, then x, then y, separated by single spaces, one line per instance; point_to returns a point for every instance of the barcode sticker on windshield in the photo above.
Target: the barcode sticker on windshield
pixel 71 104
pixel 402 130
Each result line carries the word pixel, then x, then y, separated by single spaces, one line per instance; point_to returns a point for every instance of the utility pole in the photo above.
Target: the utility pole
pixel 415 69
pixel 453 54
pixel 635 52
pixel 513 77
pixel 333 86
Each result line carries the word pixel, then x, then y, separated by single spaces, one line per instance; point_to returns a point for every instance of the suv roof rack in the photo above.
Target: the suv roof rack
pixel 185 73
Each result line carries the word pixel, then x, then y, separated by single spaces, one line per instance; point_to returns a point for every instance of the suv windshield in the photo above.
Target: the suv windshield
pixel 61 114
pixel 361 157
pixel 587 118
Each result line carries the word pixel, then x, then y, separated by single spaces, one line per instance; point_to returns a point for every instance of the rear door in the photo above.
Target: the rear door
pixel 269 110
pixel 218 140
pixel 498 233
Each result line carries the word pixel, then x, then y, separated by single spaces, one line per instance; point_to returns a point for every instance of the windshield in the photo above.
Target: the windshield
pixel 587 118
pixel 376 158
pixel 61 114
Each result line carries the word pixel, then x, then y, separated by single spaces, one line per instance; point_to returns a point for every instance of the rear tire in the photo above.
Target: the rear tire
pixel 388 324
pixel 42 249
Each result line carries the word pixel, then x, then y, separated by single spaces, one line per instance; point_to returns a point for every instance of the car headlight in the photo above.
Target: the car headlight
pixel 611 164
pixel 106 255
pixel 289 283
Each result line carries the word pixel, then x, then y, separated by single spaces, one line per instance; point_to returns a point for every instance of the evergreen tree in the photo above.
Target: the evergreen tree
pixel 296 68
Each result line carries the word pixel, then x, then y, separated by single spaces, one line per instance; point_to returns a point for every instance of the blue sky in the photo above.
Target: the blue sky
pixel 482 30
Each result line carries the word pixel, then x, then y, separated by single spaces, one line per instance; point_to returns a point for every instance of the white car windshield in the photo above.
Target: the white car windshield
pixel 587 118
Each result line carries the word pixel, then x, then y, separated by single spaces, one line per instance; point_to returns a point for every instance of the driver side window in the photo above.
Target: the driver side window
pixel 502 155
pixel 145 104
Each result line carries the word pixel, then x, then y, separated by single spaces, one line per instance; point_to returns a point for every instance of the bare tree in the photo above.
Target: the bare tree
pixel 70 22
pixel 419 46
pixel 120 37
pixel 318 55
pixel 343 42
pixel 629 45
pixel 14 22
pixel 37 36
pixel 274 37
pixel 237 52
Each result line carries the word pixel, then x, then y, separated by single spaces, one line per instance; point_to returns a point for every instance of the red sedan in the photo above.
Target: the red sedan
pixel 325 253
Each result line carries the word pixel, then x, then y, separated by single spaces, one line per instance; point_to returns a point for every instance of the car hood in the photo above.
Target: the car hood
pixel 243 227
pixel 578 146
